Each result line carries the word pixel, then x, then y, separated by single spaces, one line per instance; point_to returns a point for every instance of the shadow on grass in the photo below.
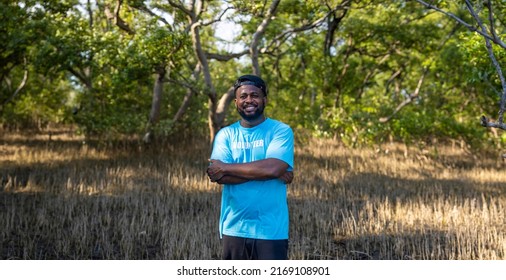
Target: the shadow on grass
pixel 329 222
pixel 134 226
pixel 147 205
pixel 127 203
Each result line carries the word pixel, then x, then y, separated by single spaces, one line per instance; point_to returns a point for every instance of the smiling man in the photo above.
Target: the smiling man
pixel 253 160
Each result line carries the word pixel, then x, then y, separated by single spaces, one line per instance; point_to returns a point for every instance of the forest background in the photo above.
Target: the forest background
pixel 108 109
pixel 362 72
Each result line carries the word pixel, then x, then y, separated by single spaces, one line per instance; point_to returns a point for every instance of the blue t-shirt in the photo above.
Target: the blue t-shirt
pixel 255 209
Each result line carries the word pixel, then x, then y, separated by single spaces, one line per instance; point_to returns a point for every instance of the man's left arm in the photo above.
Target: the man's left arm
pixel 266 169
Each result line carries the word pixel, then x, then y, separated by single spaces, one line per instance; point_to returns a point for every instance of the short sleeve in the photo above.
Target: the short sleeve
pixel 281 145
pixel 221 148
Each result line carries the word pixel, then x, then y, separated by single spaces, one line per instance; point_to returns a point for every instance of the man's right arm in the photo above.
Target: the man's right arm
pixel 287 178
pixel 264 169
pixel 231 180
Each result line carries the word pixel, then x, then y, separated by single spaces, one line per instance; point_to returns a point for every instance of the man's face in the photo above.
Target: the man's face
pixel 250 102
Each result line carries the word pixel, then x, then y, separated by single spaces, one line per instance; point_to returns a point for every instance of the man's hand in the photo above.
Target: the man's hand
pixel 287 177
pixel 215 170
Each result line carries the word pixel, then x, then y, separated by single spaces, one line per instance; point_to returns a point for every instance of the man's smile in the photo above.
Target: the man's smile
pixel 250 108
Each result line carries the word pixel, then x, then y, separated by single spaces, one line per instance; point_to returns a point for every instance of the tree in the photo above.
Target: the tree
pixel 489 34
pixel 29 95
pixel 16 37
pixel 354 70
pixel 110 69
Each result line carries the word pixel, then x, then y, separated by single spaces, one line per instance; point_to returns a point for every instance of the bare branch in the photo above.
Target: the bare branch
pixel 182 83
pixel 80 76
pixel 391 79
pixel 118 21
pixel 305 27
pixel 487 123
pixel 494 60
pixel 145 9
pixel 258 35
pixel 90 13
pixel 22 84
pixel 226 57
pixel 190 91
pixel 467 25
pixel 333 22
pixel 488 42
pixel 491 21
pixel 198 7
pixel 181 7
pixel 223 104
pixel 373 72
pixel 408 100
pixel 278 40
pixel 217 19
pixel 154 114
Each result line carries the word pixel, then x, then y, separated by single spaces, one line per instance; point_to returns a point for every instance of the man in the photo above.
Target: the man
pixel 253 159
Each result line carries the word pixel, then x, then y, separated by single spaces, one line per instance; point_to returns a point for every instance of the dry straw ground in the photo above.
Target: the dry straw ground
pixel 62 199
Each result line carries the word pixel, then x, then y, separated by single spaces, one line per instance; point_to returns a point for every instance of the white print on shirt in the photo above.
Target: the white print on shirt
pixel 247 145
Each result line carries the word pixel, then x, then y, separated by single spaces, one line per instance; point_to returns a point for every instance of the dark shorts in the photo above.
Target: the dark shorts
pixel 238 248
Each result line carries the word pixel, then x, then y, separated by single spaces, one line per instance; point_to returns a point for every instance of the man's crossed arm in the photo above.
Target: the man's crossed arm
pixel 236 173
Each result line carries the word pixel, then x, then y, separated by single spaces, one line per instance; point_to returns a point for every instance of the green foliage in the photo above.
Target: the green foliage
pixel 379 52
pixel 380 55
pixel 27 111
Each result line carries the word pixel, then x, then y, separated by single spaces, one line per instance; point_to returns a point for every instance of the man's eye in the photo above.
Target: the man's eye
pixel 253 96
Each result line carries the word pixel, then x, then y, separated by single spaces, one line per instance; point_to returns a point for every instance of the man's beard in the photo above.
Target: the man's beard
pixel 256 115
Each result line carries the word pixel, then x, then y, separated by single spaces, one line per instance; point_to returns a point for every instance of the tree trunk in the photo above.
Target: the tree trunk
pixel 190 91
pixel 259 34
pixel 22 84
pixel 221 111
pixel 154 115
pixel 202 58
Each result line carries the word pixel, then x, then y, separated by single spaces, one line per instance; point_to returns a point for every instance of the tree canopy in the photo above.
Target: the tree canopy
pixel 362 71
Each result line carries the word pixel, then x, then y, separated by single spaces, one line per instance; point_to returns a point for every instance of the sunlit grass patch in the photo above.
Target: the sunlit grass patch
pixel 67 199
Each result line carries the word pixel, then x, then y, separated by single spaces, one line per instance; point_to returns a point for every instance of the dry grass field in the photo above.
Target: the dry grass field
pixel 65 199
